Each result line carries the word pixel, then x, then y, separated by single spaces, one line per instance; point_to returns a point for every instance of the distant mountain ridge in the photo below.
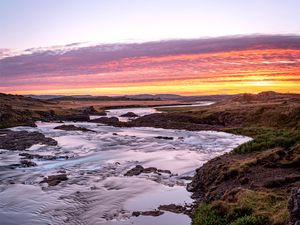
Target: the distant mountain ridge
pixel 135 97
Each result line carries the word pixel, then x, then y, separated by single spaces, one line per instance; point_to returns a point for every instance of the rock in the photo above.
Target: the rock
pixel 73 128
pixel 148 213
pixel 43 157
pixel 54 180
pixel 11 117
pixel 137 170
pixel 27 163
pixel 22 140
pixel 164 171
pixel 149 170
pixel 129 114
pixel 165 138
pixel 75 117
pixel 186 178
pixel 294 207
pixel 22 164
pixel 106 120
pixel 92 111
pixel 174 209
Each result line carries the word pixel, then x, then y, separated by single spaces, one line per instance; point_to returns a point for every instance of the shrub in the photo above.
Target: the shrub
pixel 249 220
pixel 269 139
pixel 205 215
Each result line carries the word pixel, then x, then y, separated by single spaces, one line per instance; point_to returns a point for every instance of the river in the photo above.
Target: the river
pixel 97 192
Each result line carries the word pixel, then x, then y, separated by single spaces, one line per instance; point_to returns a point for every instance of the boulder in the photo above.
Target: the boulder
pixel 129 114
pixel 54 180
pixel 21 140
pixel 294 207
pixel 73 128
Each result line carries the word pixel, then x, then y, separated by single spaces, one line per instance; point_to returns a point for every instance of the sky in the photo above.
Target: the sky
pixel 120 47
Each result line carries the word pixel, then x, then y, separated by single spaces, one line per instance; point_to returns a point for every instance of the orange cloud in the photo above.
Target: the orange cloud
pixel 210 72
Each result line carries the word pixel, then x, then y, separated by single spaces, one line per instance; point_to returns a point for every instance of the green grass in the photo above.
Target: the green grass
pixel 265 138
pixel 268 140
pixel 206 215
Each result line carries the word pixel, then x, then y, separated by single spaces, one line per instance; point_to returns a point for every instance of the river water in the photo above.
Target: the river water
pixel 97 192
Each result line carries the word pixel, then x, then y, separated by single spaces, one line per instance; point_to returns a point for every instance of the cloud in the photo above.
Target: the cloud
pixel 107 65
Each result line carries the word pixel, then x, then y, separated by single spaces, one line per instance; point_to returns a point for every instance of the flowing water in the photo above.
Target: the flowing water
pixel 97 192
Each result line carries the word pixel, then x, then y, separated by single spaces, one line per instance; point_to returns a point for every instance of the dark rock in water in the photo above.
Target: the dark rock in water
pixel 165 138
pixel 106 120
pixel 54 180
pixel 43 157
pixel 129 114
pixel 186 178
pixel 164 171
pixel 147 213
pixel 175 209
pixel 73 128
pixel 76 117
pixel 150 170
pixel 21 140
pixel 294 207
pixel 23 164
pixel 27 163
pixel 137 170
pixel 92 111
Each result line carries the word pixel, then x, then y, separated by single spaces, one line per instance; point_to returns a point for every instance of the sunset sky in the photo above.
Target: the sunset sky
pixel 119 47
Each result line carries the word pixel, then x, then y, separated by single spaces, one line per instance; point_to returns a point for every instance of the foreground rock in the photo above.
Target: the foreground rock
pixel 23 164
pixel 129 114
pixel 26 155
pixel 111 121
pixel 294 207
pixel 22 140
pixel 92 111
pixel 164 138
pixel 54 180
pixel 73 128
pixel 147 213
pixel 137 170
pixel 179 209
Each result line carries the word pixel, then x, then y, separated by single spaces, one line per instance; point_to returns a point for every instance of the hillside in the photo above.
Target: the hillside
pixel 252 184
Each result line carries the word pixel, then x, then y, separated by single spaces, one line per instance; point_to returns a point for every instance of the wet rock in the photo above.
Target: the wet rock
pixel 21 140
pixel 129 114
pixel 294 207
pixel 22 164
pixel 164 138
pixel 27 163
pixel 164 171
pixel 175 209
pixel 26 155
pixel 106 120
pixel 186 178
pixel 75 117
pixel 73 128
pixel 92 111
pixel 147 213
pixel 149 170
pixel 137 170
pixel 54 180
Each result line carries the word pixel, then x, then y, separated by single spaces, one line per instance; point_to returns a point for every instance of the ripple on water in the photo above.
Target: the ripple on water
pixel 96 191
